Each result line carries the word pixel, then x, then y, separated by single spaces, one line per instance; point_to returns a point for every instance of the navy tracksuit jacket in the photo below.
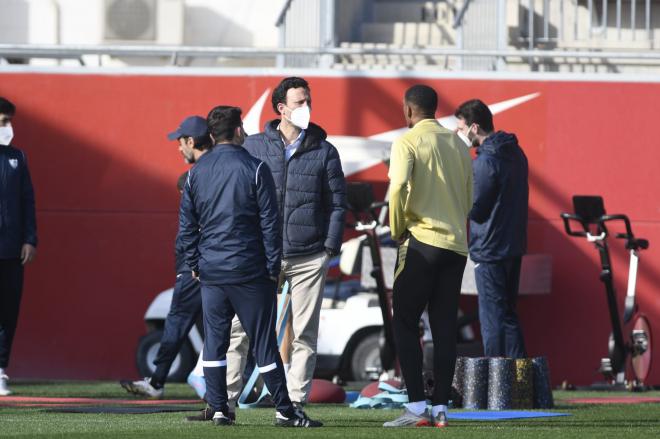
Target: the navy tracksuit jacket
pixel 228 222
pixel 18 226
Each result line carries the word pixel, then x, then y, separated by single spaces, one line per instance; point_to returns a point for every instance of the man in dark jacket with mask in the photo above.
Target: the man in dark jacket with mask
pixel 498 227
pixel 311 196
pixel 18 233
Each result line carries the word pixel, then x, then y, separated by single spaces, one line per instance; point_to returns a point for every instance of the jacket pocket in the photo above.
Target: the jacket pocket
pixel 302 228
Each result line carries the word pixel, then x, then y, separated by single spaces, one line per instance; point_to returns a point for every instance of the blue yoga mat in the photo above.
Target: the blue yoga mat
pixel 501 415
pixel 352 396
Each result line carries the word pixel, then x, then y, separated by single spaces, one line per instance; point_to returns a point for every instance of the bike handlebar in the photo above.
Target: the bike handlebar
pixel 632 243
pixel 568 217
pixel 626 221
pixel 367 215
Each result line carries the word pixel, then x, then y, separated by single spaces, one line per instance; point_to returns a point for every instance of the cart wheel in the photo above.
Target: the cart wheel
pixel 366 357
pixel 146 354
pixel 642 351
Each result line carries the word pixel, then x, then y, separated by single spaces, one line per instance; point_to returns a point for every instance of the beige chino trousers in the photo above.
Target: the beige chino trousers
pixel 306 276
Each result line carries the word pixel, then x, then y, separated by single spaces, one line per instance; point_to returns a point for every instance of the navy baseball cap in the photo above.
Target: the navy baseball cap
pixel 192 126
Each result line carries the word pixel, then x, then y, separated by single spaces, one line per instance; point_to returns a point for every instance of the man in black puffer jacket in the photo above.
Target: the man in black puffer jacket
pixel 498 227
pixel 311 196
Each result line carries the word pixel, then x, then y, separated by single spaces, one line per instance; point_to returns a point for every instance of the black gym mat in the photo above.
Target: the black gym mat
pixel 123 410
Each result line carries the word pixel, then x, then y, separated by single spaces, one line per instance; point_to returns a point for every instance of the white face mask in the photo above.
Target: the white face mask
pixel 300 117
pixel 6 135
pixel 464 138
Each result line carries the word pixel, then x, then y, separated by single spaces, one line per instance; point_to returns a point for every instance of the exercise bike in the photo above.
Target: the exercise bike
pixel 361 204
pixel 636 347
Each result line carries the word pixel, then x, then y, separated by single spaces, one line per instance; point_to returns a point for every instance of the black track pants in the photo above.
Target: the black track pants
pixel 427 276
pixel 11 287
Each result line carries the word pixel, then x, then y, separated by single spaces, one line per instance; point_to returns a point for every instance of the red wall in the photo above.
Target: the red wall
pixel 105 178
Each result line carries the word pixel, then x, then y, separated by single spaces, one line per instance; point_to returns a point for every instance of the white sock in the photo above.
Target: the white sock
pixel 287 366
pixel 436 409
pixel 416 407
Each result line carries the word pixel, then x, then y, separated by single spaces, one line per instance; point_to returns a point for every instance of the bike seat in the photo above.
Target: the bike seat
pixel 637 243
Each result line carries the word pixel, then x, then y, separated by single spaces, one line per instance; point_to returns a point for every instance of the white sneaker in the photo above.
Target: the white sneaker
pixel 143 388
pixel 198 383
pixel 409 419
pixel 4 390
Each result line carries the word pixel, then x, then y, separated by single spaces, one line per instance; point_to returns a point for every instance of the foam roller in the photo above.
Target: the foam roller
pixel 523 385
pixel 457 384
pixel 475 383
pixel 542 390
pixel 500 380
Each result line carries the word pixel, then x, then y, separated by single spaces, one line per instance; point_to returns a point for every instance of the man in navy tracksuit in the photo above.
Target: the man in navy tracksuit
pixel 498 227
pixel 230 232
pixel 193 141
pixel 18 233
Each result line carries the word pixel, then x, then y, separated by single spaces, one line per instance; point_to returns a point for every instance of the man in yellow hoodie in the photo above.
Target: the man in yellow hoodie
pixel 430 198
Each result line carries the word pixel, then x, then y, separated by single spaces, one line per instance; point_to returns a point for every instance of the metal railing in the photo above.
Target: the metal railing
pixel 18 51
pixel 548 32
pixel 306 23
pixel 622 29
pixel 565 21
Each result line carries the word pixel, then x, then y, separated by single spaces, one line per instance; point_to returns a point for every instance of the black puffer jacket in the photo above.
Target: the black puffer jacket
pixel 18 223
pixel 311 189
pixel 498 219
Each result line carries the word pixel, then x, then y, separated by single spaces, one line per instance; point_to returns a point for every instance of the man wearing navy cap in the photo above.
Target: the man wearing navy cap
pixel 194 140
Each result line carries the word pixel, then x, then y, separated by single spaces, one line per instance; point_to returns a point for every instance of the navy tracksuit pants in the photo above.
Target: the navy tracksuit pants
pixel 255 304
pixel 184 311
pixel 11 287
pixel 497 284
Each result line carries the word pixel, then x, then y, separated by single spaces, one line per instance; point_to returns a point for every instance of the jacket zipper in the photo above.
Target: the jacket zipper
pixel 286 177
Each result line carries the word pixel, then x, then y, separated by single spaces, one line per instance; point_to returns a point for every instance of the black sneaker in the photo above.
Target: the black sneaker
pixel 220 419
pixel 299 419
pixel 205 415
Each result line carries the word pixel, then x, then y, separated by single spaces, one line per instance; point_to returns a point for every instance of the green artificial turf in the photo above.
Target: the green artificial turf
pixel 602 421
